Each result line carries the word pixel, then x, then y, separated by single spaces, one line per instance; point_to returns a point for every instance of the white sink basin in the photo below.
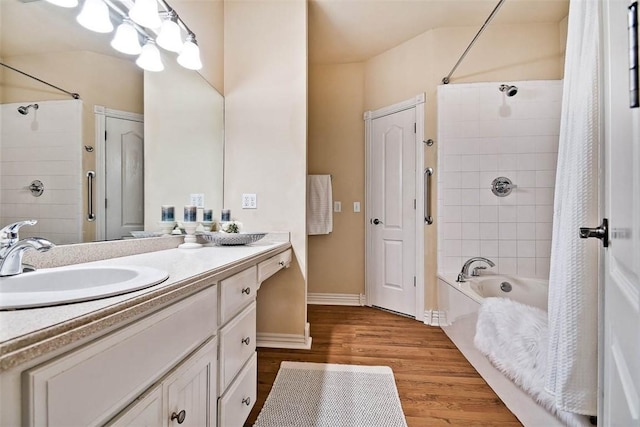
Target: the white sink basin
pixel 54 286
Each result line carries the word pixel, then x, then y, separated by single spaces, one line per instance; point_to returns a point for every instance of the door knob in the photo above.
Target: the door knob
pixel 601 232
pixel 376 221
pixel 180 416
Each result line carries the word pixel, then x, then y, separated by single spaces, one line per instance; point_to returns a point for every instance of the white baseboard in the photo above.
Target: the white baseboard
pixel 292 341
pixel 336 299
pixel 435 318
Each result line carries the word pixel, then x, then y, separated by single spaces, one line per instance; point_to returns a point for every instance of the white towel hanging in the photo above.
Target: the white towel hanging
pixel 319 205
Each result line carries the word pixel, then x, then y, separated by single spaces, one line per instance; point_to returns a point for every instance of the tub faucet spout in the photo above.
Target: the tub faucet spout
pixel 464 272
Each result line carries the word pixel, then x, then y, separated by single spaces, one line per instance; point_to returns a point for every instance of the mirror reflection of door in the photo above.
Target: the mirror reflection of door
pixel 124 177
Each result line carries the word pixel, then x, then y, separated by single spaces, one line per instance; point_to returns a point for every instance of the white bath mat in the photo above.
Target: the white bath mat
pixel 328 395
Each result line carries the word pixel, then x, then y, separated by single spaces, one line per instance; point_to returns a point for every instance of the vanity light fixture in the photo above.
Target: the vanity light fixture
pixel 64 3
pixel 145 13
pixel 169 37
pixel 126 39
pixel 190 56
pixel 149 59
pixel 94 16
pixel 155 20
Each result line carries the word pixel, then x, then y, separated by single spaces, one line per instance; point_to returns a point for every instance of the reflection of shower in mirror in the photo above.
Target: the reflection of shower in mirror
pixel 24 110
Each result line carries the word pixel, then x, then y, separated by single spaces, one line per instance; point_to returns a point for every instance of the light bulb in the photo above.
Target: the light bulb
pixel 64 3
pixel 94 16
pixel 169 37
pixel 190 55
pixel 126 39
pixel 149 59
pixel 145 13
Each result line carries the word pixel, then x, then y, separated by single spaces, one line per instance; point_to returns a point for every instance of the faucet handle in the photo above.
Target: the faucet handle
pixel 10 232
pixel 476 270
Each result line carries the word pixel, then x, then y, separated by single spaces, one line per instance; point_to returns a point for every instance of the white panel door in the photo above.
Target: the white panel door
pixel 392 216
pixel 124 154
pixel 620 362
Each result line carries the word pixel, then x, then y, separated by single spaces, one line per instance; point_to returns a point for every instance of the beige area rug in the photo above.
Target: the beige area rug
pixel 329 395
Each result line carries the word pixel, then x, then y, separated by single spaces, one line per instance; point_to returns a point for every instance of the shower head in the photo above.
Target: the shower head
pixel 25 110
pixel 508 90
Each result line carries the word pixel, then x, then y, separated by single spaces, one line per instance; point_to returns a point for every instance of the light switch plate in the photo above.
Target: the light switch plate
pixel 337 206
pixel 249 201
pixel 356 206
pixel 197 200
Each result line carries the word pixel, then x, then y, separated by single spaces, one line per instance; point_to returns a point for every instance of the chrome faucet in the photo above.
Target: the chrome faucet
pixel 464 273
pixel 12 248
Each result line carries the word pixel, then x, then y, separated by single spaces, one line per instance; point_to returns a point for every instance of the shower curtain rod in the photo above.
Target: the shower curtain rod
pixel 71 94
pixel 446 79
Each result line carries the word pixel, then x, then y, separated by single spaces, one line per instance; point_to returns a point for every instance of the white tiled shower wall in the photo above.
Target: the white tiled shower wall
pixel 45 145
pixel 483 134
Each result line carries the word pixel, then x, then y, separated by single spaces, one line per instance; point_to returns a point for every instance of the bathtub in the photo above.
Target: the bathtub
pixel 458 305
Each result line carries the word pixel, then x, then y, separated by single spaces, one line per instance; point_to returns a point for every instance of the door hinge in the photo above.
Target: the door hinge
pixel 105 203
pixel 414 281
pixel 414 204
pixel 105 135
pixel 415 128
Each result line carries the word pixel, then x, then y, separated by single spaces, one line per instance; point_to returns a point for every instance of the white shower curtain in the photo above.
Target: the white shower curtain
pixel 571 375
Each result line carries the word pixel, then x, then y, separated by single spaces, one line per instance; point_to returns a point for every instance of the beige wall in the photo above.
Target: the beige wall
pixel 336 146
pixel 87 73
pixel 265 69
pixel 503 53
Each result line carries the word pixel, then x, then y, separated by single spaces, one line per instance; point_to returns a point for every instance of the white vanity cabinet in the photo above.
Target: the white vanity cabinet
pixel 182 398
pixel 238 364
pixel 184 356
pixel 237 375
pixel 89 386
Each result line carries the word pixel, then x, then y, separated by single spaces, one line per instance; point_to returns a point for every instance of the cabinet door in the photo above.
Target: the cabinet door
pixel 146 412
pixel 191 389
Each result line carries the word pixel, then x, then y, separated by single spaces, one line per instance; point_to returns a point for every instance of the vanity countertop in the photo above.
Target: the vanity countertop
pixel 29 333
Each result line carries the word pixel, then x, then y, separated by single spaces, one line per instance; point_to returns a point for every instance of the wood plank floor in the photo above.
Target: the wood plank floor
pixel 436 384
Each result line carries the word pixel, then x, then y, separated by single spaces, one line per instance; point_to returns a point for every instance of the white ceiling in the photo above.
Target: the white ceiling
pixel 343 31
pixel 339 30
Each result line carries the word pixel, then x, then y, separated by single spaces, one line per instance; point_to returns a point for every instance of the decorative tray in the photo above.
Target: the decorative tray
pixel 229 239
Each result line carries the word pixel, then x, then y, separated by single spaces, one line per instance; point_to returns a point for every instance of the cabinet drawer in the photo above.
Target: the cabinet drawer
pixel 236 292
pixel 235 405
pixel 237 345
pixel 274 264
pixel 89 385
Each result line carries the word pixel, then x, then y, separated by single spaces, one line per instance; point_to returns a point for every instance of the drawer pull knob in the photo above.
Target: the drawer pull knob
pixel 246 290
pixel 247 401
pixel 246 340
pixel 281 263
pixel 180 416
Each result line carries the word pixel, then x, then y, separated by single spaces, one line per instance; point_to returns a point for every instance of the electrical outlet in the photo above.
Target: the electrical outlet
pixel 249 201
pixel 337 206
pixel 197 200
pixel 356 206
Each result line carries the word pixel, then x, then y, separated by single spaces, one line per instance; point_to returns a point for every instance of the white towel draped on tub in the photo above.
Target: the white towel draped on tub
pixel 514 338
pixel 319 205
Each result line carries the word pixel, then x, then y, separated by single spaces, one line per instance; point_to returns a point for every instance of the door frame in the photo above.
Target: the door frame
pixel 417 103
pixel 101 115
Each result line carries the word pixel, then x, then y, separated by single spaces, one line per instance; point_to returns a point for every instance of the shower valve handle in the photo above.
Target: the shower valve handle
pixel 601 232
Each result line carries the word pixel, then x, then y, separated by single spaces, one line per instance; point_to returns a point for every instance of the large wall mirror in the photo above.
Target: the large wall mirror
pixel 173 119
